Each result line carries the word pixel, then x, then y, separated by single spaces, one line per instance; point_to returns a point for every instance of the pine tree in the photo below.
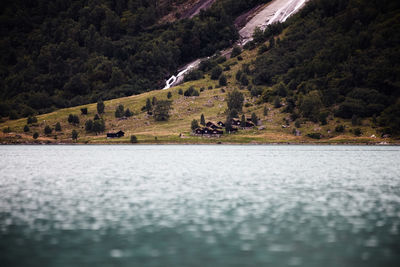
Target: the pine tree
pixel 202 120
pixel 100 107
pixel 243 121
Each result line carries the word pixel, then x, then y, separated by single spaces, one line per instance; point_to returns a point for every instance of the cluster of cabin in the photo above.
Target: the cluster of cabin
pixel 216 129
pixel 211 129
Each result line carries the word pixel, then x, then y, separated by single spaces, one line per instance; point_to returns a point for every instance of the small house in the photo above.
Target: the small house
pixel 249 124
pixel 212 125
pixel 115 135
pixel 235 121
pixel 220 123
pixel 217 132
pixel 198 131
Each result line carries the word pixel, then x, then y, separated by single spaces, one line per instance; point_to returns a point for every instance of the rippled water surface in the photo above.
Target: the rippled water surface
pixel 199 206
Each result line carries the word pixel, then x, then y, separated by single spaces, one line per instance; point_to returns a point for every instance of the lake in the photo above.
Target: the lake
pixel 174 205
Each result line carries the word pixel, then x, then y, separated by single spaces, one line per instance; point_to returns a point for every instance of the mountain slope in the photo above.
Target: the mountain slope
pixel 330 72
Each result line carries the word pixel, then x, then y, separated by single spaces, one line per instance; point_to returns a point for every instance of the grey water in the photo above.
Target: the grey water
pixel 218 205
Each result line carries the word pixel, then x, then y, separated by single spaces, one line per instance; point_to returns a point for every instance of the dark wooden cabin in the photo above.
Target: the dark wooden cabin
pixel 235 122
pixel 115 135
pixel 198 131
pixel 220 123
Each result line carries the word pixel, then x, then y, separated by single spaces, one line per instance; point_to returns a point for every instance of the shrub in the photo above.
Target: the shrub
pixel 357 132
pixel 89 125
pixel 74 135
pixel 222 80
pixel 100 107
pixel 243 121
pixel 238 75
pixel 128 113
pixel 119 111
pixel 148 106
pixel 26 128
pixel 297 124
pixel 202 89
pixel 240 58
pixel 314 135
pixel 98 126
pixel 339 129
pixel 322 118
pixel 233 113
pixel 161 110
pixel 202 120
pixel 254 118
pixel 194 75
pixel 191 92
pixel 244 80
pixel 84 111
pixel 236 51
pixel 216 72
pixel 169 95
pixel 180 92
pixel 35 135
pixel 47 130
pixel 265 111
pixel 277 102
pixel 58 127
pixel 134 139
pixel 96 117
pixel 73 119
pixel 7 130
pixel 235 100
pixel 31 120
pixel 194 125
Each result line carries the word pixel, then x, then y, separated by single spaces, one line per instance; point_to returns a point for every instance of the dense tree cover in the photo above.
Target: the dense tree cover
pixel 57 54
pixel 339 57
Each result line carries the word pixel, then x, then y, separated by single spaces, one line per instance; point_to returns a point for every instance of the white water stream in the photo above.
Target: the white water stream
pixel 275 11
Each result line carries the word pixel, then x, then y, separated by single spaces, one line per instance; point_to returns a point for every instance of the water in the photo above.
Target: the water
pixel 199 206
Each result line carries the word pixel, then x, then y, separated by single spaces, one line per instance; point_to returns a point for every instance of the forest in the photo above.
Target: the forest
pixel 64 53
pixel 338 58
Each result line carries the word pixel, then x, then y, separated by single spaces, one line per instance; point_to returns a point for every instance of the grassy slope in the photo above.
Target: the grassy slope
pixel 210 102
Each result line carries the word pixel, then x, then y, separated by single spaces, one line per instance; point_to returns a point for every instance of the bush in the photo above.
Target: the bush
pixel 222 80
pixel 244 80
pixel 297 124
pixel 191 92
pixel 180 92
pixel 26 128
pixel 254 118
pixel 277 102
pixel 194 125
pixel 235 100
pixel 240 58
pixel 357 132
pixel 35 135
pixel 322 118
pixel 194 75
pixel 134 139
pixel 314 135
pixel 31 120
pixel 119 111
pixel 74 135
pixel 236 51
pixel 128 113
pixel 98 126
pixel 7 130
pixel 47 130
pixel 216 72
pixel 73 119
pixel 161 110
pixel 202 120
pixel 58 127
pixel 339 129
pixel 84 111
pixel 169 95
pixel 100 107
pixel 89 125
pixel 265 111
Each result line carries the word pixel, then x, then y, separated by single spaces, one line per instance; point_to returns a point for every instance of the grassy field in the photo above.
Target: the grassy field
pixel 211 103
